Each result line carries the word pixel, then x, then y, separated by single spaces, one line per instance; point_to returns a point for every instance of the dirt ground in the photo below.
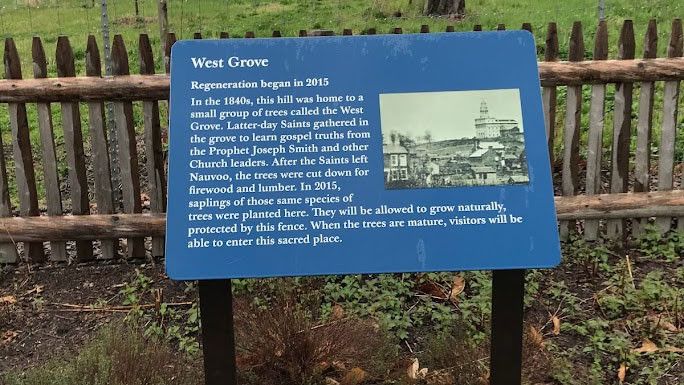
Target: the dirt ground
pixel 46 320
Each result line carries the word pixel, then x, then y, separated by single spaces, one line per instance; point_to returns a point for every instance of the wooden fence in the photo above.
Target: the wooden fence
pixel 617 187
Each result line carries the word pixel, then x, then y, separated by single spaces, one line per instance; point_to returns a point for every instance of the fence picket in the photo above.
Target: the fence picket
pixel 100 149
pixel 571 131
pixel 23 155
pixel 597 110
pixel 73 144
pixel 642 157
pixel 53 195
pixel 550 94
pixel 153 145
pixel 622 120
pixel 668 134
pixel 130 177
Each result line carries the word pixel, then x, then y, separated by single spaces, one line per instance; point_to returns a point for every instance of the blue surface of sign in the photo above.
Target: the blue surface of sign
pixel 363 154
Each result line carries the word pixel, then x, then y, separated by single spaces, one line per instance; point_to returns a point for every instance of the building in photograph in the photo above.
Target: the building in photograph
pixel 487 127
pixel 491 153
pixel 396 162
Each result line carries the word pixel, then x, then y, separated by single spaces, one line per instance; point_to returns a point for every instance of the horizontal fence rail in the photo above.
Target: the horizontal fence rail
pixel 93 146
pixel 156 87
pixel 92 227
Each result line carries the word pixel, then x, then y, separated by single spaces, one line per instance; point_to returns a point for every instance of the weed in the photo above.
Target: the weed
pixel 282 345
pixel 117 356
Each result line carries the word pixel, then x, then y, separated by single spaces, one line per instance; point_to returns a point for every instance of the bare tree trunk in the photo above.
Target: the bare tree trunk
pixel 444 7
pixel 137 10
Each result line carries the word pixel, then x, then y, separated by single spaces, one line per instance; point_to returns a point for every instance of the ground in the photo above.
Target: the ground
pixel 604 308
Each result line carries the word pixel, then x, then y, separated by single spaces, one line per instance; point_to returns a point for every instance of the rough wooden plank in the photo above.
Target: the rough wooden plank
pixel 73 144
pixel 53 195
pixel 23 155
pixel 642 157
pixel 668 134
pixel 98 226
pixel 622 122
pixel 156 87
pixel 571 131
pixel 100 150
pixel 595 137
pixel 550 94
pixel 153 145
pixel 130 178
pixel 8 251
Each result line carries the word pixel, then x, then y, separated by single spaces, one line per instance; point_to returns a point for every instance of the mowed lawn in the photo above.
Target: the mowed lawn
pixel 23 19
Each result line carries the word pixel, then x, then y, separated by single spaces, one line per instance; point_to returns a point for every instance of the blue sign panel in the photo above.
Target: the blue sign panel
pixel 362 154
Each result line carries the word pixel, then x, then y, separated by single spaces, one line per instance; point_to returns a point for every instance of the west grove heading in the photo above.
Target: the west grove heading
pixel 232 62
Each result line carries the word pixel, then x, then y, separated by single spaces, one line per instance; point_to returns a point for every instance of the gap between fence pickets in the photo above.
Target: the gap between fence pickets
pixel 627 205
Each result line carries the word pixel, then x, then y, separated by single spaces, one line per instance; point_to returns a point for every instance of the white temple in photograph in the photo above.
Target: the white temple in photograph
pixel 487 127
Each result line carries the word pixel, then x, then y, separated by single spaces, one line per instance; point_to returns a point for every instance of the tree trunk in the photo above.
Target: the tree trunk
pixel 137 9
pixel 444 7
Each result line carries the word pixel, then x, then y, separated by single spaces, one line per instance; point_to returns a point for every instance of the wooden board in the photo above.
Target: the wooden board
pixel 73 144
pixel 23 155
pixel 642 157
pixel 100 150
pixel 53 195
pixel 622 122
pixel 571 131
pixel 128 154
pixel 666 149
pixel 595 138
pixel 153 145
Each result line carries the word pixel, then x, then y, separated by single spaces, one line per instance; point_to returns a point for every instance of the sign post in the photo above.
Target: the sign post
pixel 359 154
pixel 218 337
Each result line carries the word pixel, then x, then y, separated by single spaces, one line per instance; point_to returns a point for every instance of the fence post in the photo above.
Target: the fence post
pixel 622 123
pixel 100 149
pixel 73 143
pixel 23 155
pixel 53 195
pixel 163 16
pixel 669 127
pixel 596 122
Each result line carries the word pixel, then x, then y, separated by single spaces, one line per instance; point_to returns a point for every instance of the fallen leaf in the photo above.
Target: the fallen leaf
pixel 8 300
pixel 663 323
pixel 8 337
pixel 457 287
pixel 647 346
pixel 337 312
pixel 412 370
pixel 330 381
pixel 556 325
pixel 434 290
pixel 354 377
pixel 622 372
pixel 536 336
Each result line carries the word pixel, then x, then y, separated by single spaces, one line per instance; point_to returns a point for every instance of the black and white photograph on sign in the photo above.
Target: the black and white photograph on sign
pixel 455 138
